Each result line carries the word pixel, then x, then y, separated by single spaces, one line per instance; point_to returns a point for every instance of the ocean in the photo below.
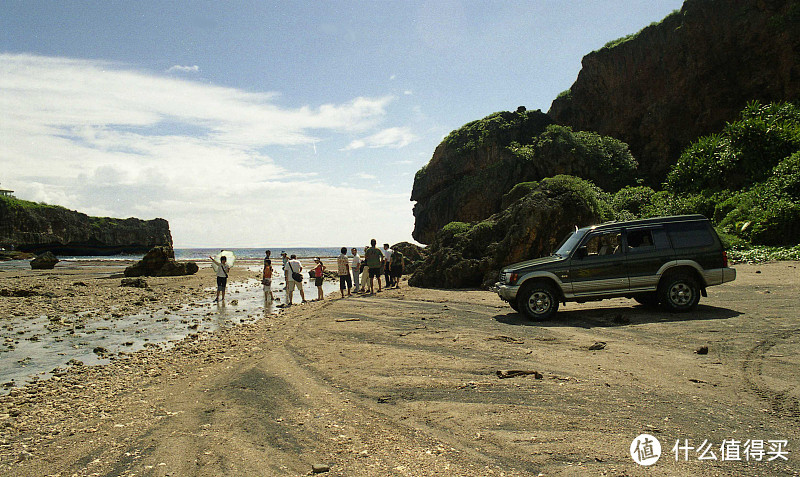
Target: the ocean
pixel 241 253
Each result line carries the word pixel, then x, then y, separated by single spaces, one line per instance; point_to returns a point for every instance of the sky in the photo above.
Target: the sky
pixel 281 123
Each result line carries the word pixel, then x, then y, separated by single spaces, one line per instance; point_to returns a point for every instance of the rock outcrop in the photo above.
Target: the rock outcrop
pixel 45 261
pixel 160 262
pixel 30 227
pixel 413 256
pixel 686 76
pixel 476 165
pixel 472 255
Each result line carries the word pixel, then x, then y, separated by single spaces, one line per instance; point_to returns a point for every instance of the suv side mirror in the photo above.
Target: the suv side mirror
pixel 581 253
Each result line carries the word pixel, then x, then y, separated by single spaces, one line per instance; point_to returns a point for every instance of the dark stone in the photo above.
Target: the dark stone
pixel 702 350
pixel 160 262
pixel 45 261
pixel 413 256
pixel 134 282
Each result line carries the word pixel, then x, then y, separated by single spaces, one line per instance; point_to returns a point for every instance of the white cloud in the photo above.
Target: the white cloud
pixel 391 137
pixel 107 140
pixel 363 175
pixel 184 69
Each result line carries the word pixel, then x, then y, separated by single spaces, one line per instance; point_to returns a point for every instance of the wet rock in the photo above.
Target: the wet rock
pixel 134 282
pixel 598 345
pixel 45 261
pixel 160 262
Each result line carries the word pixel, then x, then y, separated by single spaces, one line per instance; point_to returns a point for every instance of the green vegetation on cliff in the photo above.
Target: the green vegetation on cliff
pixel 745 178
pixel 502 127
pixel 14 203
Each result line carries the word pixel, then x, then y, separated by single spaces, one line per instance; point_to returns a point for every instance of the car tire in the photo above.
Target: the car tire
pixel 647 299
pixel 538 301
pixel 514 305
pixel 679 292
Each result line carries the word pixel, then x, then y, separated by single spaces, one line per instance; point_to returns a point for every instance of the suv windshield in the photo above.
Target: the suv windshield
pixel 569 243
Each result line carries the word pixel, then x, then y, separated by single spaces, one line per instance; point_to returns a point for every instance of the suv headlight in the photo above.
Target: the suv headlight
pixel 510 277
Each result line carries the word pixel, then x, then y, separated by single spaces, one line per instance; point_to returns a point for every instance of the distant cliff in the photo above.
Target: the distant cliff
pixel 32 227
pixel 686 76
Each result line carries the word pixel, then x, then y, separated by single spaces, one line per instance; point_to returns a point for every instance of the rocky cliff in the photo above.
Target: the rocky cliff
pixel 476 165
pixel 686 76
pixel 31 227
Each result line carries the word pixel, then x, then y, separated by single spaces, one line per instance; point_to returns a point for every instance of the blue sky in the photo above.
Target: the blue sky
pixel 271 123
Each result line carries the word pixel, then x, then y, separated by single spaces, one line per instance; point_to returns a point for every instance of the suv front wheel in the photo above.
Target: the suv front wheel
pixel 537 301
pixel 679 292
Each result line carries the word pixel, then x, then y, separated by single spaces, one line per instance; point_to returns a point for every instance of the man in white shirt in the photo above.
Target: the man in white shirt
pixel 293 266
pixel 387 252
pixel 355 268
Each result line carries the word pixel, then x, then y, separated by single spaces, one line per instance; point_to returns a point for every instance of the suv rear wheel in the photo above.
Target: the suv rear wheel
pixel 679 292
pixel 537 301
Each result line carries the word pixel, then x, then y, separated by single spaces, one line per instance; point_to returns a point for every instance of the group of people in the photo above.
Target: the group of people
pixel 353 272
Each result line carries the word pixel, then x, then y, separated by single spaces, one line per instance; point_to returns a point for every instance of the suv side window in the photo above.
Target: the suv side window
pixel 646 240
pixel 603 244
pixel 690 234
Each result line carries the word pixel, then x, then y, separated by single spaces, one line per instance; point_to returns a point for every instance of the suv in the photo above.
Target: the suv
pixel 666 260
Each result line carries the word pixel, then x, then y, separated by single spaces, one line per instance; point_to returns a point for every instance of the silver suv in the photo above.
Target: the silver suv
pixel 666 260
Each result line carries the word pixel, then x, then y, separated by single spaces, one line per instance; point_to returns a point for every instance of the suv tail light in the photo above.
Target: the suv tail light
pixel 724 259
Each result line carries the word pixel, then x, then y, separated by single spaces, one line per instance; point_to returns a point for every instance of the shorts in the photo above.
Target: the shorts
pixel 345 281
pixel 267 282
pixel 221 283
pixel 397 272
pixel 375 272
pixel 318 281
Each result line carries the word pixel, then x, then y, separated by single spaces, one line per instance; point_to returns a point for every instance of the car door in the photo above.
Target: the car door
pixel 598 265
pixel 647 249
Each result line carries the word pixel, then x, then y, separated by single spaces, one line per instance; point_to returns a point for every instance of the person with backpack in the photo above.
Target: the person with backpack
pixel 295 279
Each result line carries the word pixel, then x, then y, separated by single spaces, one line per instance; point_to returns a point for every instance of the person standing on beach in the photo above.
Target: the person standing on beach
pixel 397 267
pixel 343 267
pixel 293 267
pixel 364 272
pixel 355 266
pixel 387 264
pixel 318 278
pixel 374 259
pixel 222 268
pixel 266 277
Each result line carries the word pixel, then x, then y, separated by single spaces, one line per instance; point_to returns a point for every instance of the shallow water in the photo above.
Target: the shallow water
pixel 35 346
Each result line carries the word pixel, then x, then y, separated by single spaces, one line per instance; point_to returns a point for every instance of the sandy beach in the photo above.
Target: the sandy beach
pixel 404 382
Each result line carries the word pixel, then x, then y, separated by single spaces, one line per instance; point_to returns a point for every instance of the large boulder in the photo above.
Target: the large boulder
pixel 160 262
pixel 471 255
pixel 45 261
pixel 413 255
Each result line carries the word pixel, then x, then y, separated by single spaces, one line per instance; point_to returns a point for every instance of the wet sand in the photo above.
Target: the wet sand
pixel 405 382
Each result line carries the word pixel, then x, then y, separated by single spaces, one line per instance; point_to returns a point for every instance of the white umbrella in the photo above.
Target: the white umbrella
pixel 230 258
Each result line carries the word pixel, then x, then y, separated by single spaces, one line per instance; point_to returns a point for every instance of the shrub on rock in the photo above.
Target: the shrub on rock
pixel 471 255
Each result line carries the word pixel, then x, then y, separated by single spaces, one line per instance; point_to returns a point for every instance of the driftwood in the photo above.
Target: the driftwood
pixel 513 373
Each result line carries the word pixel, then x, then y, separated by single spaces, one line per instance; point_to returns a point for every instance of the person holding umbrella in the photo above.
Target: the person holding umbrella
pixel 222 268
